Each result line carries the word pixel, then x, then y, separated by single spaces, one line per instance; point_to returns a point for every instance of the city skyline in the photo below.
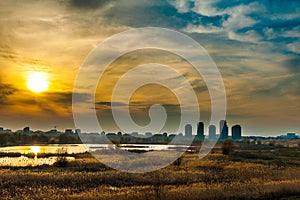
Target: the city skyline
pixel 210 132
pixel 254 44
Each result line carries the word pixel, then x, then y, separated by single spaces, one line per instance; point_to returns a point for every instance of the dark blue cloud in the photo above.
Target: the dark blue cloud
pixel 89 4
pixel 293 64
pixel 146 13
pixel 287 86
pixel 5 91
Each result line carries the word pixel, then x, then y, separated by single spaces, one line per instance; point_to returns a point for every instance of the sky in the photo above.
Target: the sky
pixel 255 44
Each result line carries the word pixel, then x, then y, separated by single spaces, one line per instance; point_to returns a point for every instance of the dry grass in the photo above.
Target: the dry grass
pixel 215 177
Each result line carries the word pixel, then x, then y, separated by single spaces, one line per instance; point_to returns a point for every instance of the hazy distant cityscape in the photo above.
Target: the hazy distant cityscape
pixel 199 133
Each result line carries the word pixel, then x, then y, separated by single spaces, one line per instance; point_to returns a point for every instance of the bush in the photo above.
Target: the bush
pixel 61 160
pixel 227 146
pixel 178 161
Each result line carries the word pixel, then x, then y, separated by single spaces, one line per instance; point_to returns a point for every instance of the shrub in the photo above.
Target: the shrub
pixel 61 160
pixel 178 161
pixel 227 146
pixel 259 142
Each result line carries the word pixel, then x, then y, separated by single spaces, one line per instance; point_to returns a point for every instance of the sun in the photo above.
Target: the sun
pixel 37 82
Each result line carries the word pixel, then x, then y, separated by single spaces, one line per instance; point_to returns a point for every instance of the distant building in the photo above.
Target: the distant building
pixel 52 132
pixel 200 130
pixel 7 131
pixel 223 130
pixel 148 134
pixel 112 136
pixel 39 132
pixel 69 131
pixel 78 131
pixel 119 134
pixel 135 134
pixel 1 130
pixel 289 136
pixel 158 136
pixel 171 136
pixel 236 132
pixel 188 130
pixel 212 132
pixel 26 130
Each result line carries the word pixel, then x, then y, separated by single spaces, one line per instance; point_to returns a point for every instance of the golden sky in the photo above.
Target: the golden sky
pixel 255 46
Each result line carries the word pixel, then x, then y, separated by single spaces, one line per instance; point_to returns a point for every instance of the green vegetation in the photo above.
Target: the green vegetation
pixel 246 173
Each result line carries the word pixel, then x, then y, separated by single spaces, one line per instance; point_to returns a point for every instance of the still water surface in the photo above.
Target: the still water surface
pixel 70 149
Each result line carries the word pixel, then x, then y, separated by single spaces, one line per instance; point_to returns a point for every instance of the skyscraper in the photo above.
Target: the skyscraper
pixel 236 132
pixel 200 130
pixel 212 132
pixel 223 130
pixel 188 130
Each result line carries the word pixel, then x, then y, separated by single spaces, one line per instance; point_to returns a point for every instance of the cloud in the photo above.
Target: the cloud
pixel 134 104
pixel 5 91
pixel 248 36
pixel 294 47
pixel 107 104
pixel 284 33
pixel 254 43
pixel 65 98
pixel 233 19
pixel 239 16
pixel 90 4
pixel 294 32
pixel 292 64
pixel 202 29
pixel 207 8
pixel 182 6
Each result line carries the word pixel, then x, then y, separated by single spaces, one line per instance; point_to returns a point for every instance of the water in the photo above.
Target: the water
pixel 81 148
pixel 24 161
pixel 70 149
pixel 45 149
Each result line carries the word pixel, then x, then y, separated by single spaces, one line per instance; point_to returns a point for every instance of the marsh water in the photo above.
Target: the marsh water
pixel 24 160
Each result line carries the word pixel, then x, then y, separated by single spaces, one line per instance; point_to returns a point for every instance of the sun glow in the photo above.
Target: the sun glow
pixel 35 149
pixel 37 82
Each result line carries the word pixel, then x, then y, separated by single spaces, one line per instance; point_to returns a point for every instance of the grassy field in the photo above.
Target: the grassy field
pixel 248 173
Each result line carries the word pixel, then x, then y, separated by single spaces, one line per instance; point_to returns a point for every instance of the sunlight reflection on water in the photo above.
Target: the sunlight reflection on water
pixel 24 161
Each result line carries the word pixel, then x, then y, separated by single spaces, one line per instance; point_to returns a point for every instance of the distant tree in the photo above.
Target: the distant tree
pixel 3 139
pixel 259 142
pixel 246 141
pixel 43 139
pixel 272 143
pixel 227 146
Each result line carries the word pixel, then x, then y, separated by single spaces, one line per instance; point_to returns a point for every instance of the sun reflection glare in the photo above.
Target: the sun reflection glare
pixel 35 149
